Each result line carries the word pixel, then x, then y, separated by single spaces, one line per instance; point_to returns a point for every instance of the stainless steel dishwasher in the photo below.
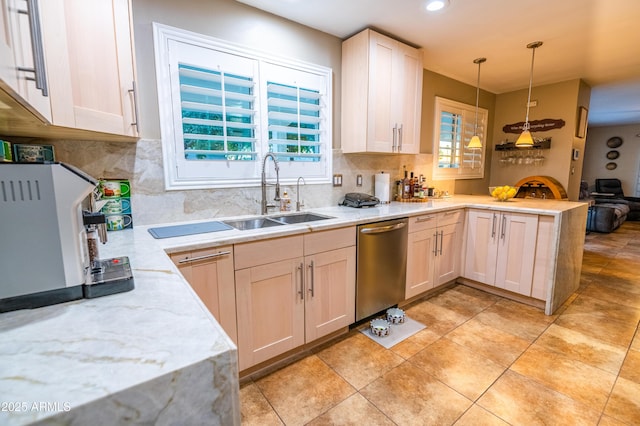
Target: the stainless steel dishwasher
pixel 381 266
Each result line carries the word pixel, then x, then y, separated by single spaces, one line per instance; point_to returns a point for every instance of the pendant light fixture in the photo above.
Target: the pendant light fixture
pixel 525 140
pixel 475 142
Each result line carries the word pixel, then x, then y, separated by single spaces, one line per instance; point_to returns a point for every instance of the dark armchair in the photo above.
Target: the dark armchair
pixel 614 194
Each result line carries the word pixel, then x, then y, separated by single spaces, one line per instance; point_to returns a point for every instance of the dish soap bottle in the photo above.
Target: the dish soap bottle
pixel 285 202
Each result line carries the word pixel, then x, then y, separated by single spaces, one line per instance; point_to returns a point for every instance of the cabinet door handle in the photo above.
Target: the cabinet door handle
pixel 395 138
pixel 400 138
pixel 206 256
pixel 503 228
pixel 435 249
pixel 301 291
pixel 134 92
pixel 441 241
pixel 493 226
pixel 312 287
pixel 37 51
pixel 424 219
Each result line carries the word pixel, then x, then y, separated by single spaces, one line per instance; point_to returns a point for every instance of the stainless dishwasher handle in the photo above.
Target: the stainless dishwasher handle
pixel 206 256
pixel 381 229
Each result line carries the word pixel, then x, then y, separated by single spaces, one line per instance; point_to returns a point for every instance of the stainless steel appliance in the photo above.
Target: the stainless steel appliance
pixel 43 238
pixel 381 266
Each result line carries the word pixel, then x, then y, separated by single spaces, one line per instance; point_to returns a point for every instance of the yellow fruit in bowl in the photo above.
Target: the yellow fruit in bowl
pixel 503 193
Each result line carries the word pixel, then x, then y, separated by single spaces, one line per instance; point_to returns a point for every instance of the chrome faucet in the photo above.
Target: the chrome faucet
pixel 263 204
pixel 298 203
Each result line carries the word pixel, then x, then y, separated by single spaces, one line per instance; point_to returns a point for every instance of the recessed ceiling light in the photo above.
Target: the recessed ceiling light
pixel 434 5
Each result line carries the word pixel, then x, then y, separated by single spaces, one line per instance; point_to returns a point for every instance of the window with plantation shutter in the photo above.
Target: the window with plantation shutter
pixel 224 107
pixel 217 115
pixel 455 124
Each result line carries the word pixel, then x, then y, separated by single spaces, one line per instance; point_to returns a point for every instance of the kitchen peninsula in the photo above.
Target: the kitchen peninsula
pixel 156 355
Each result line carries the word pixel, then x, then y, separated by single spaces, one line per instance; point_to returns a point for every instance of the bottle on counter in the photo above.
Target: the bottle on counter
pixel 406 187
pixel 417 186
pixel 285 202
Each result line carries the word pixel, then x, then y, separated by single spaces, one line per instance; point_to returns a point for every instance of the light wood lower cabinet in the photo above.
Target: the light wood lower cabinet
pixel 210 274
pixel 293 290
pixel 503 250
pixel 434 246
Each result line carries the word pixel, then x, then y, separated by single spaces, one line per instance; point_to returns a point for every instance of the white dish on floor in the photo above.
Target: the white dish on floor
pixel 380 327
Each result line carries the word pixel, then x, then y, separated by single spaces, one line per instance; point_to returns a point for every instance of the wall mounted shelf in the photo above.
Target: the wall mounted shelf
pixel 511 146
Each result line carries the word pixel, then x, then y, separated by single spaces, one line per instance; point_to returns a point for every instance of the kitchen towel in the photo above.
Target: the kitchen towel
pixel 382 187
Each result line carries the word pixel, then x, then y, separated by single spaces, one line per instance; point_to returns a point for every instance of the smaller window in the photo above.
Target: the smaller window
pixel 454 128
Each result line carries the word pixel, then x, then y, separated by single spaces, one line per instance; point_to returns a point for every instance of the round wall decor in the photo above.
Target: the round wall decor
pixel 614 142
pixel 612 155
pixel 611 166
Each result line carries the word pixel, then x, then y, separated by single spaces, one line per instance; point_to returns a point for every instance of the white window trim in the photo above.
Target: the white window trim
pixel 162 35
pixel 468 113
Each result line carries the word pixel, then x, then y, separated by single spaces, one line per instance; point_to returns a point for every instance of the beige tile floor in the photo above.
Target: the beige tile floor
pixel 482 360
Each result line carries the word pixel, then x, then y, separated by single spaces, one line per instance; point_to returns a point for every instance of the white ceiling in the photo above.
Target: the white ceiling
pixel 595 40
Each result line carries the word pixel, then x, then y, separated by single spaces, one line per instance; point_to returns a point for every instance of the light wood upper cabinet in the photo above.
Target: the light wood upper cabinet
pixel 8 75
pixel 23 77
pixel 293 290
pixel 90 63
pixel 381 95
pixel 434 246
pixel 501 249
pixel 210 274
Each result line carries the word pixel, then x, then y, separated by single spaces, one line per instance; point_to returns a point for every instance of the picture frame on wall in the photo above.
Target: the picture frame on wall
pixel 581 129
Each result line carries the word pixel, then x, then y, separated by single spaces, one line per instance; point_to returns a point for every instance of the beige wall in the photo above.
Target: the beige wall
pixel 555 101
pixel 628 164
pixel 234 22
pixel 438 85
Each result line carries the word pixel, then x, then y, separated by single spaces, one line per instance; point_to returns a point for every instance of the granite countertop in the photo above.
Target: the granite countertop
pixel 346 216
pixel 95 351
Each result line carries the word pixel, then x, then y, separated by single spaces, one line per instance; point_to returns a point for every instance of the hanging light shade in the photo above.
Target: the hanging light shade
pixel 525 140
pixel 475 142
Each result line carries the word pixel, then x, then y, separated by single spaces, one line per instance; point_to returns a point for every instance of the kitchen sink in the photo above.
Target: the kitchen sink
pixel 299 218
pixel 269 221
pixel 253 223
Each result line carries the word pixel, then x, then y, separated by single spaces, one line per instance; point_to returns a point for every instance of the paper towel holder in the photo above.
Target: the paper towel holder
pixel 382 187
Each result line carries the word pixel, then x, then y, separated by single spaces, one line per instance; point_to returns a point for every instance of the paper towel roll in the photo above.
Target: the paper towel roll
pixel 382 187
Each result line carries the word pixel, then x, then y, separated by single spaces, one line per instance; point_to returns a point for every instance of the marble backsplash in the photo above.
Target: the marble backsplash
pixel 142 164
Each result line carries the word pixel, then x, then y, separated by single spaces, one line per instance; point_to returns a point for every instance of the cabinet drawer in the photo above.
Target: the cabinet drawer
pixel 318 242
pixel 422 222
pixel 267 251
pixel 450 217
